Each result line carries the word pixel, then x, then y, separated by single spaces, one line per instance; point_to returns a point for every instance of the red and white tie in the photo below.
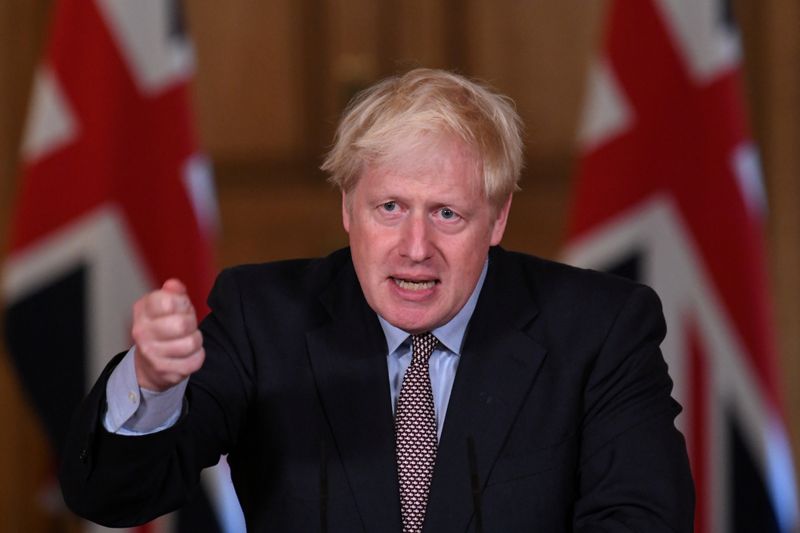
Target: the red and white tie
pixel 415 430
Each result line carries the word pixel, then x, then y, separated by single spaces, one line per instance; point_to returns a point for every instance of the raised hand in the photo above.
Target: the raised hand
pixel 169 347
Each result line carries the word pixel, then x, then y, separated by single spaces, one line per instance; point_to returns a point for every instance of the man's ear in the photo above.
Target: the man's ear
pixel 500 222
pixel 345 213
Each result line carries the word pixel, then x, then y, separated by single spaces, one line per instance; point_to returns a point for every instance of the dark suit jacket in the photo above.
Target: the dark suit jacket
pixel 561 386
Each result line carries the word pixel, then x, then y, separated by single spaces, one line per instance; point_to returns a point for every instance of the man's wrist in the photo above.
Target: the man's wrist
pixel 131 410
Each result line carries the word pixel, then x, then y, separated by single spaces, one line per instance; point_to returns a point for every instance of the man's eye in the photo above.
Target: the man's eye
pixel 447 213
pixel 389 206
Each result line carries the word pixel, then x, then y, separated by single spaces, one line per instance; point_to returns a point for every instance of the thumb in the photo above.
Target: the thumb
pixel 174 286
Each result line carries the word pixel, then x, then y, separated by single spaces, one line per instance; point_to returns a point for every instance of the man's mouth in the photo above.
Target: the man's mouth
pixel 411 285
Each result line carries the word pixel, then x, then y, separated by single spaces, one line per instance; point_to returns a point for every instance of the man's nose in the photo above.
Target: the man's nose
pixel 417 244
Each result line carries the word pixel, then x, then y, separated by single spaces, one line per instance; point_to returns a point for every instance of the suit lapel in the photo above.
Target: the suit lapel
pixel 497 368
pixel 348 358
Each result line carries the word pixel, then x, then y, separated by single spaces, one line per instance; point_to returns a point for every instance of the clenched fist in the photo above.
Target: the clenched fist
pixel 169 347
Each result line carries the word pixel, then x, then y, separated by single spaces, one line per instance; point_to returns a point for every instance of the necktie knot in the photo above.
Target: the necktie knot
pixel 422 346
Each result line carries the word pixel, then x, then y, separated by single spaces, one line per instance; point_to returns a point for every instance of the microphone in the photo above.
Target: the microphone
pixel 323 487
pixel 475 483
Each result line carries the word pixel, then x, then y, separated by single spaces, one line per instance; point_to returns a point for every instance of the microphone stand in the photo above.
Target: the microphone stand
pixel 475 483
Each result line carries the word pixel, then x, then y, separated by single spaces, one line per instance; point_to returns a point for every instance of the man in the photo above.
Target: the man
pixel 545 403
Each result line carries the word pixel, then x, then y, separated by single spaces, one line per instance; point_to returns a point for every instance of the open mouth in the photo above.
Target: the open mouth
pixel 411 285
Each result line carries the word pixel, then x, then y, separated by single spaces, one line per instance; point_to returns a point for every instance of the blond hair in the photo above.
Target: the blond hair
pixel 425 101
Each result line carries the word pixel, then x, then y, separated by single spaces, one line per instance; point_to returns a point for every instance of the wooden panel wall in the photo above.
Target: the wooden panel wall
pixel 778 126
pixel 249 78
pixel 272 78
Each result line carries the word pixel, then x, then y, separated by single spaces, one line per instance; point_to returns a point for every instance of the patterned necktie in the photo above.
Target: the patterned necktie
pixel 415 430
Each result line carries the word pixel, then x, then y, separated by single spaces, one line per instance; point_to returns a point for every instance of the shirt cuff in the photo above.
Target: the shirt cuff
pixel 131 410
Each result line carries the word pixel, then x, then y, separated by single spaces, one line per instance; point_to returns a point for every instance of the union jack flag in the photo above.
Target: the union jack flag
pixel 114 198
pixel 668 192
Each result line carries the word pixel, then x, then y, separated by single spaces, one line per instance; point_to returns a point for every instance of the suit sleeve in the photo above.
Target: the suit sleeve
pixel 634 471
pixel 122 481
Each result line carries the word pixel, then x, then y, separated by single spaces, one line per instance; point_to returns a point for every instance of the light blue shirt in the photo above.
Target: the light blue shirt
pixel 134 411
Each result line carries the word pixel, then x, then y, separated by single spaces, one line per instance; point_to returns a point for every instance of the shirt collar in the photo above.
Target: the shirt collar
pixel 451 334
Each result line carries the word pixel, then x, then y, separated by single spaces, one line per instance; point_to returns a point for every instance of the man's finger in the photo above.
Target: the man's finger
pixel 160 303
pixel 167 327
pixel 154 351
pixel 174 285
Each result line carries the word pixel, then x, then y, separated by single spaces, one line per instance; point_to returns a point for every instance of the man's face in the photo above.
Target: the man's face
pixel 420 228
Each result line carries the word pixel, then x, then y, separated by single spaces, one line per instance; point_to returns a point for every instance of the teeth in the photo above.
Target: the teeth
pixel 414 285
